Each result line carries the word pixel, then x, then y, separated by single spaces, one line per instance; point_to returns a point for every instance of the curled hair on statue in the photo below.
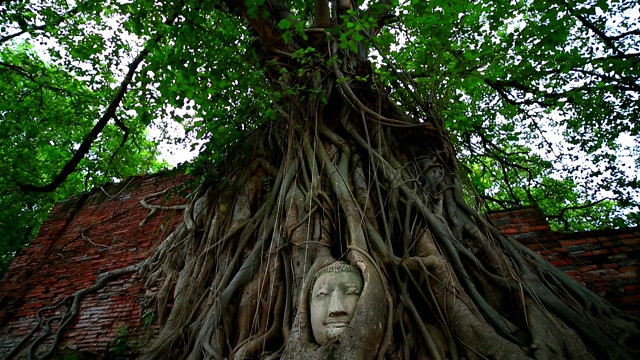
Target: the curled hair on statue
pixel 337 266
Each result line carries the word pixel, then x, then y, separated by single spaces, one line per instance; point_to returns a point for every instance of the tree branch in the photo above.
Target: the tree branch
pixel 561 214
pixel 124 129
pixel 500 86
pixel 86 144
pixel 321 18
pixel 266 28
pixel 22 72
pixel 619 56
pixel 57 21
pixel 19 70
pixel 504 203
pixel 22 32
pixel 383 17
pixel 623 35
pixel 591 26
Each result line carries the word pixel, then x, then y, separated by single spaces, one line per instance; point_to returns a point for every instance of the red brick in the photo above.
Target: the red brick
pixel 601 252
pixel 573 242
pixel 587 268
pixel 538 228
pixel 628 275
pixel 627 236
pixel 580 254
pixel 559 263
pixel 79 261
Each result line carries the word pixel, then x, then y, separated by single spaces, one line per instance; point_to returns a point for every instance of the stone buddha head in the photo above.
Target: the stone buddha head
pixel 333 297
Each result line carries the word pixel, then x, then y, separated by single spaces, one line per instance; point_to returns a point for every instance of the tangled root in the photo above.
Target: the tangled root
pixel 440 282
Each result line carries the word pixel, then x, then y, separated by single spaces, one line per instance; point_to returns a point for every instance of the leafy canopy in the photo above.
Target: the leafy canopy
pixel 45 113
pixel 539 96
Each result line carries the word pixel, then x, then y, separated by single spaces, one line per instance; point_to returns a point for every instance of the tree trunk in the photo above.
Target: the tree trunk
pixel 343 174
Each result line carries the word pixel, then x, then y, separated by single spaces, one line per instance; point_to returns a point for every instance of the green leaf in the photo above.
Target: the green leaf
pixel 284 24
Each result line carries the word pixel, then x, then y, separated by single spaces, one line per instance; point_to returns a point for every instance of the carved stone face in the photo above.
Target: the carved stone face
pixel 333 302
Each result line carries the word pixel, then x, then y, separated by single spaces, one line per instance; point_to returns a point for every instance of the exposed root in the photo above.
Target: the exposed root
pixel 155 208
pixel 72 305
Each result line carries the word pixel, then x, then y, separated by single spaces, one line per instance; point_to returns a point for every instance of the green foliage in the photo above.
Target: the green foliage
pixel 539 96
pixel 74 356
pixel 44 114
pixel 120 344
pixel 149 317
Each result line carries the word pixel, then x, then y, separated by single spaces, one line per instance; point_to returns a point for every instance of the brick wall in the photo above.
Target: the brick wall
pixel 83 237
pixel 606 261
pixel 101 231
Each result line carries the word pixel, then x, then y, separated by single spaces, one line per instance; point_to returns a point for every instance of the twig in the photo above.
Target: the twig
pixel 155 208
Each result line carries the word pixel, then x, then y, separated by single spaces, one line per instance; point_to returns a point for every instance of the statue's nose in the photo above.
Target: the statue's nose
pixel 336 305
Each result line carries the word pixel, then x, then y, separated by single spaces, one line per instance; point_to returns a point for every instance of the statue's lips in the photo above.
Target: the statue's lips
pixel 337 324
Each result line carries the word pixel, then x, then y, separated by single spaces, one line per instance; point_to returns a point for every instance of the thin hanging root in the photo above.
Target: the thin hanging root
pixel 248 299
pixel 259 298
pixel 433 235
pixel 417 320
pixel 43 323
pixel 603 344
pixel 388 333
pixel 432 347
pixel 441 318
pixel 590 300
pixel 392 176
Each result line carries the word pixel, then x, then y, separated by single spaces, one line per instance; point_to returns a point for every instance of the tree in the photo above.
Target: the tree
pixel 351 118
pixel 44 115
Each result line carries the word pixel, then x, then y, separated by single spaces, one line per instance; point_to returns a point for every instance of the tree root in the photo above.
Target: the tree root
pixel 72 304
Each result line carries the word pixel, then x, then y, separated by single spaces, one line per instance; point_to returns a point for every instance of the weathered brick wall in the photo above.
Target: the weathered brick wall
pixel 100 232
pixel 606 261
pixel 82 238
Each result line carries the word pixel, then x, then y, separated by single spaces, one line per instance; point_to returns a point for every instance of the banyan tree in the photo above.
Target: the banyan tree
pixel 352 161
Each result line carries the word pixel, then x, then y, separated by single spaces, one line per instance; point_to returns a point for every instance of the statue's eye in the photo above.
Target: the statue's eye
pixel 353 291
pixel 322 294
